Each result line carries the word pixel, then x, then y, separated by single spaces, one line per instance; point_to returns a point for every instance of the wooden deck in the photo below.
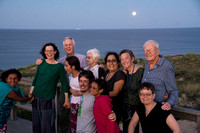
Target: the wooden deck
pixel 24 126
pixel 19 126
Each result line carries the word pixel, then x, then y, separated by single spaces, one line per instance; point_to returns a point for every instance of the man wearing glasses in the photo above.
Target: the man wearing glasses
pixel 160 72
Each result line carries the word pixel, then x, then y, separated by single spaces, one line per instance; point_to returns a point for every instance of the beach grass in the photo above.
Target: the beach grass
pixel 187 73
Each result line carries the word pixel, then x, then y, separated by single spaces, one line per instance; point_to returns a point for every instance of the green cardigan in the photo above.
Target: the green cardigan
pixel 132 92
pixel 46 80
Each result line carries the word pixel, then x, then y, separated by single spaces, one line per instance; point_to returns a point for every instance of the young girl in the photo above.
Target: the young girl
pixel 72 66
pixel 10 93
pixel 102 108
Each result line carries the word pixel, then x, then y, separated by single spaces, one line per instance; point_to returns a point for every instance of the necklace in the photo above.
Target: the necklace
pixel 51 61
pixel 110 74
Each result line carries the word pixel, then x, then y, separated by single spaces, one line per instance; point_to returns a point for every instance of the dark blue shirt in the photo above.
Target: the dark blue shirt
pixel 162 76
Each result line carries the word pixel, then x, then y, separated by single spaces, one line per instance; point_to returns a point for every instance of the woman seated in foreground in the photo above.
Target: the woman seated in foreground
pixel 152 118
pixel 9 94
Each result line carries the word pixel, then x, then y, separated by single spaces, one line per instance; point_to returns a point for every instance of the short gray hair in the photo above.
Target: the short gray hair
pixel 70 39
pixel 156 44
pixel 95 53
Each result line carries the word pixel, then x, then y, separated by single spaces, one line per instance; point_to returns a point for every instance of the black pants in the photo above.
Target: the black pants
pixel 129 110
pixel 125 127
pixel 63 115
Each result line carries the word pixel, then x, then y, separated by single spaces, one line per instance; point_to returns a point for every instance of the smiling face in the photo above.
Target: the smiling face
pixel 69 47
pixel 111 63
pixel 146 96
pixel 151 52
pixel 126 60
pixel 84 84
pixel 12 79
pixel 94 90
pixel 68 68
pixel 49 52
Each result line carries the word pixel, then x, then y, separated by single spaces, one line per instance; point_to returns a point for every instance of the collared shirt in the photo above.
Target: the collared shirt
pixel 95 71
pixel 82 59
pixel 162 76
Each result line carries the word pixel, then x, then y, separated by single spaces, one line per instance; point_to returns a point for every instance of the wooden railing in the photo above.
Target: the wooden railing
pixel 28 107
pixel 178 112
pixel 187 114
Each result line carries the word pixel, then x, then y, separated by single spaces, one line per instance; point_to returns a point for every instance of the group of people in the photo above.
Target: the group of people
pixel 95 99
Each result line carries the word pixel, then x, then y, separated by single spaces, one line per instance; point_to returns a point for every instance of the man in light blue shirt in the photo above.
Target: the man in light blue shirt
pixel 160 72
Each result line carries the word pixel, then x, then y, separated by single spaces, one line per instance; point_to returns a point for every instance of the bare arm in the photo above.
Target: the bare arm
pixel 133 123
pixel 117 88
pixel 31 91
pixel 172 123
pixel 38 61
pixel 67 103
pixel 76 92
pixel 112 116
pixel 13 95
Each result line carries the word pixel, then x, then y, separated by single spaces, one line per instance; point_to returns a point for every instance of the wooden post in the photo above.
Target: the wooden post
pixel 198 124
pixel 13 113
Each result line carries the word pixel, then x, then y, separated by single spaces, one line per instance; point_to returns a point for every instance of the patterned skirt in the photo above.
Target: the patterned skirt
pixel 74 113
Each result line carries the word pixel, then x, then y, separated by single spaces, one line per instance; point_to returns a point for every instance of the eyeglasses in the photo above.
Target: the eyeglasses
pixel 113 61
pixel 49 51
pixel 145 94
pixel 93 88
pixel 150 50
pixel 89 57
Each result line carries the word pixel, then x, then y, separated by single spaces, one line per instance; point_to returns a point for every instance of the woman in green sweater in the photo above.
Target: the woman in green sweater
pixel 44 86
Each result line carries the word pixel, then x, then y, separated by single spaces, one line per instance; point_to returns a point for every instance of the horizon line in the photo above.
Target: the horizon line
pixel 94 29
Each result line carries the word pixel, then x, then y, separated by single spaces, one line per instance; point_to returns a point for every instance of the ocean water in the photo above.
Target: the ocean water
pixel 19 48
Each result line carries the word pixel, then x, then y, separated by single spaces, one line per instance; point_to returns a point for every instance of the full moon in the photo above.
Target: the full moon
pixel 134 13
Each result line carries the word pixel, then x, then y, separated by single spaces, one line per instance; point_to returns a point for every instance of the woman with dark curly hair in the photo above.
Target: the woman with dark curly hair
pixel 115 81
pixel 44 86
pixel 9 95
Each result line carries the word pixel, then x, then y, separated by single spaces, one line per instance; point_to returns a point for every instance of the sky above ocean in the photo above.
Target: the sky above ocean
pixel 99 14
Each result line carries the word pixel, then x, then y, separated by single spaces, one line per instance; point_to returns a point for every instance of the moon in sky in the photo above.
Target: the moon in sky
pixel 134 13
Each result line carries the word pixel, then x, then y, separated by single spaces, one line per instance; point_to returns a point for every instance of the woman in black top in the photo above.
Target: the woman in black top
pixel 115 81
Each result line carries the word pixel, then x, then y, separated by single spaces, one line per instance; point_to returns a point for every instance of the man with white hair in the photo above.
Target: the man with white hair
pixel 69 47
pixel 160 72
pixel 63 121
pixel 93 56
